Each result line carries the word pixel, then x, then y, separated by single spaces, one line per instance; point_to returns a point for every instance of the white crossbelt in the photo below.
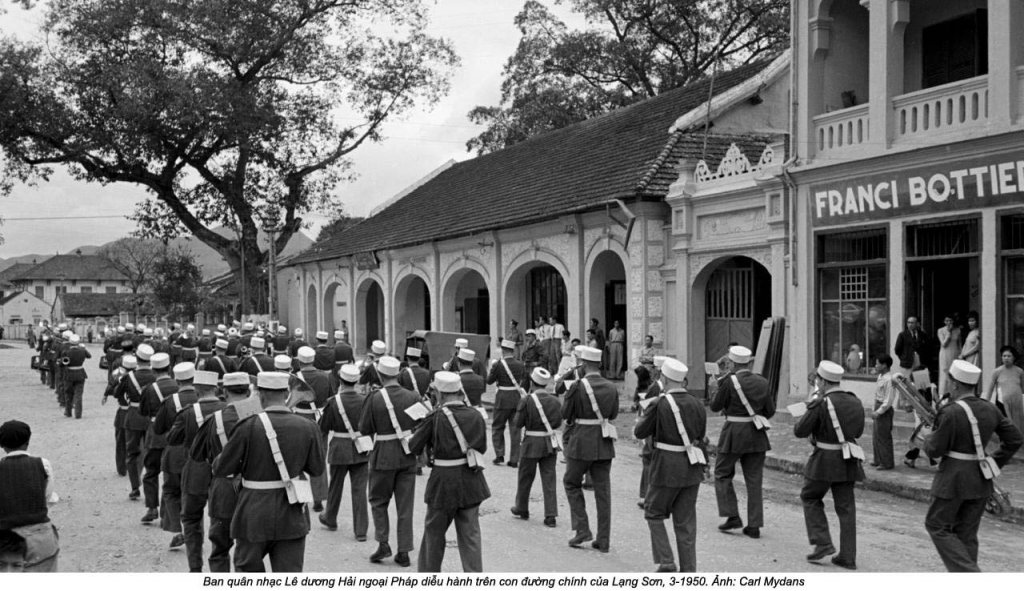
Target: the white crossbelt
pixel 513 388
pixel 450 463
pixel 133 404
pixel 589 421
pixel 74 367
pixel 342 434
pixel 262 484
pixel 675 448
pixel 961 456
pixel 829 446
pixel 124 407
pixel 387 437
pixel 536 433
pixel 732 419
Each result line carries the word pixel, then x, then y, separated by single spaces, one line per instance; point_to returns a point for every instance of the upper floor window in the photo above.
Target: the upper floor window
pixel 39 291
pixel 86 289
pixel 954 49
pixel 111 289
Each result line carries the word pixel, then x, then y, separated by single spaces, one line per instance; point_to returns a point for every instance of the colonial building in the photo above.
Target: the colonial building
pixel 70 273
pixel 642 216
pixel 23 308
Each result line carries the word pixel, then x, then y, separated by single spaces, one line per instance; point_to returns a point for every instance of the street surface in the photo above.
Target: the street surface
pixel 100 529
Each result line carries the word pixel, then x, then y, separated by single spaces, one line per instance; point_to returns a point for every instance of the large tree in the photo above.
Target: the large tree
pixel 629 50
pixel 237 113
pixel 135 258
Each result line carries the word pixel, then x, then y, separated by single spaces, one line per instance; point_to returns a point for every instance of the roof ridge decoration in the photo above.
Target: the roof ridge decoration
pixel 734 164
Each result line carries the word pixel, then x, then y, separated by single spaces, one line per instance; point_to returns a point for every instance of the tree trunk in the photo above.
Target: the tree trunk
pixel 246 263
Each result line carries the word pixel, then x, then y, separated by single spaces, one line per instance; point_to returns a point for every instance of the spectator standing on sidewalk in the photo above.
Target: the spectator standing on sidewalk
pixel 885 402
pixel 28 540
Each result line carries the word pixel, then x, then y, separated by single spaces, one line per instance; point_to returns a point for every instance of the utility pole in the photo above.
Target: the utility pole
pixel 272 272
pixel 244 305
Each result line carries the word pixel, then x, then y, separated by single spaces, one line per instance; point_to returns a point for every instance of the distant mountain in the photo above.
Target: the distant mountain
pixel 38 258
pixel 212 263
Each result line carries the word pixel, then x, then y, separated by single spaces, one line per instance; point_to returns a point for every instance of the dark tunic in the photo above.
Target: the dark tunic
pixel 195 476
pixel 741 438
pixel 827 464
pixel 342 450
pixel 507 396
pixel 528 418
pixel 173 460
pixel 473 385
pixel 587 442
pixel 453 487
pixel 375 420
pixel 673 469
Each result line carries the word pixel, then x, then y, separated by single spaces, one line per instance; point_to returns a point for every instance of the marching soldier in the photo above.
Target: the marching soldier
pixel 116 388
pixel 248 332
pixel 508 373
pixel 392 464
pixel 343 352
pixel 234 344
pixel 414 377
pixel 656 389
pixel 209 442
pixel 345 453
pixel 189 345
pixel 473 384
pixel 162 388
pixel 173 461
pixel 324 359
pixel 533 353
pixel 477 365
pixel 834 421
pixel 590 404
pixel 539 413
pixel 280 342
pixel 296 342
pixel 270 451
pixel 220 363
pixel 319 383
pixel 458 435
pixel 257 360
pixel 963 482
pixel 174 339
pixel 676 423
pixel 195 476
pixel 205 347
pixel 74 375
pixel 744 399
pixel 131 391
pixel 370 377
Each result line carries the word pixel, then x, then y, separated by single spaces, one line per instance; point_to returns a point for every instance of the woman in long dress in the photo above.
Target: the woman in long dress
pixel 949 350
pixel 972 346
pixel 1007 387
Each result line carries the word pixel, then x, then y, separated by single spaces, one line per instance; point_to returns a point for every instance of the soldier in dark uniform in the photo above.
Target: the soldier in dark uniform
pixel 257 360
pixel 369 377
pixel 339 424
pixel 832 465
pixel 509 374
pixel 591 447
pixel 153 396
pixel 189 345
pixel 960 488
pixel 195 476
pixel 457 434
pixel 533 352
pixel 112 349
pixel 220 363
pixel 319 383
pixel 209 442
pixel 175 345
pixel 74 375
pixel 324 359
pixel 131 390
pixel 296 342
pixel 175 455
pixel 414 376
pixel 392 464
pixel 280 342
pixel 473 384
pixel 58 346
pixel 539 414
pixel 234 345
pixel 116 388
pixel 343 352
pixel 744 399
pixel 677 467
pixel 655 390
pixel 265 521
pixel 245 338
pixel 205 347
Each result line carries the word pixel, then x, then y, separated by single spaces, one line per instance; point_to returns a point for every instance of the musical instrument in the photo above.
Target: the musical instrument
pixel 65 360
pixel 999 502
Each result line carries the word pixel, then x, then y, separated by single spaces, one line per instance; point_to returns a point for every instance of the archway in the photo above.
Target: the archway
pixel 333 300
pixel 466 303
pixel 534 290
pixel 412 307
pixel 735 299
pixel 369 315
pixel 311 322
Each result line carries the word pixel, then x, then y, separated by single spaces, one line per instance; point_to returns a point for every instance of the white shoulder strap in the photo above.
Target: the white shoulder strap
pixel 463 444
pixel 512 378
pixel 979 449
pixel 850 448
pixel 759 421
pixel 199 414
pixel 412 378
pixel 275 449
pixel 593 399
pixel 540 411
pixel 695 454
pixel 344 416
pixel 177 402
pixel 135 382
pixel 394 420
pixel 218 418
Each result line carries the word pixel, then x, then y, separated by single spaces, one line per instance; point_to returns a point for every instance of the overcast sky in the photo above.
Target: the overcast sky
pixel 63 213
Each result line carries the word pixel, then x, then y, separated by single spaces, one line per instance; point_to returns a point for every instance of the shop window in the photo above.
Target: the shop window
pixel 943 239
pixel 853 295
pixel 956 49
pixel 1012 243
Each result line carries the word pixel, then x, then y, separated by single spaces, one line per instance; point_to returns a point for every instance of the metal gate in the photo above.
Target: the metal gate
pixel 729 306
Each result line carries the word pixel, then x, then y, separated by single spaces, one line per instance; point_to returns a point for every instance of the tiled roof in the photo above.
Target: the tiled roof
pixel 625 154
pixel 11 273
pixel 11 297
pixel 101 304
pixel 73 266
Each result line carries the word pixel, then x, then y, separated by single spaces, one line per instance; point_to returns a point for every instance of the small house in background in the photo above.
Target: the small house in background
pixel 98 311
pixel 19 310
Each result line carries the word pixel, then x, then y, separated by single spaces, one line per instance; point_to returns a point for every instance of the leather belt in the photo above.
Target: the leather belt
pixel 537 433
pixel 961 456
pixel 134 404
pixel 589 421
pixel 74 367
pixel 514 388
pixel 190 349
pixel 387 437
pixel 449 463
pixel 828 446
pixel 263 484
pixel 343 434
pixel 731 419
pixel 670 447
pixel 123 407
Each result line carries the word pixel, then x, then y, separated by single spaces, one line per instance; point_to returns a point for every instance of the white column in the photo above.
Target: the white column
pixel 1002 77
pixel 897 286
pixel 989 293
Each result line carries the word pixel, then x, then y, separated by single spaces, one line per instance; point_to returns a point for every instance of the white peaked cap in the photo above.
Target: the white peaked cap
pixel 190 327
pixel 338 334
pixel 128 326
pixel 674 370
pixel 205 378
pixel 282 329
pixel 145 352
pixel 221 344
pixel 186 370
pixel 222 327
pixel 446 381
pixel 831 371
pixel 349 373
pixel 248 326
pixel 540 376
pixel 467 354
pixel 321 335
pixel 531 331
pixel 590 354
pixel 460 342
pixel 257 343
pixel 739 354
pixel 236 378
pixel 965 372
pixel 232 331
pixel 305 354
pixel 160 360
pixel 298 332
pixel 206 332
pixel 75 338
pixel 659 360
pixel 507 344
pixel 148 332
pixel 379 347
pixel 282 362
pixel 272 380
pixel 412 352
pixel 388 366
pixel 129 362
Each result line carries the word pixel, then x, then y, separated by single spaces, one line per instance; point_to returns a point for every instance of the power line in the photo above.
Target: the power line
pixel 69 217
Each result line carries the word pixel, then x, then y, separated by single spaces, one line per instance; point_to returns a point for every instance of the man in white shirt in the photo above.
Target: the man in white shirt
pixel 885 402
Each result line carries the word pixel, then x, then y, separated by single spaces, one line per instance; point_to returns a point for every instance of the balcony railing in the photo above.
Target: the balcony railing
pixel 943 109
pixel 840 130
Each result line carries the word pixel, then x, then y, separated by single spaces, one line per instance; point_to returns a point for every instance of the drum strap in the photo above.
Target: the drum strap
pixel 760 422
pixel 989 468
pixel 695 454
pixel 850 448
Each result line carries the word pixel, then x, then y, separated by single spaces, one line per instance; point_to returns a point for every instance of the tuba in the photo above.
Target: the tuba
pixel 922 407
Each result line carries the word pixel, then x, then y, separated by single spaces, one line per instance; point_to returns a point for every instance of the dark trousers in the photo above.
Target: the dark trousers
pixel 846 510
pixel 192 506
pixel 400 484
pixel 600 473
pixel 527 472
pixel 133 456
pixel 73 398
pixel 286 556
pixel 500 418
pixel 645 475
pixel 319 483
pixel 220 545
pixel 753 476
pixel 170 503
pixel 680 504
pixel 358 475
pixel 151 478
pixel 881 439
pixel 467 531
pixel 121 452
pixel 953 525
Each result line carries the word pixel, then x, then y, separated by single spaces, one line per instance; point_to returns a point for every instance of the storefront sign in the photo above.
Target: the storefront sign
pixel 366 261
pixel 968 184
